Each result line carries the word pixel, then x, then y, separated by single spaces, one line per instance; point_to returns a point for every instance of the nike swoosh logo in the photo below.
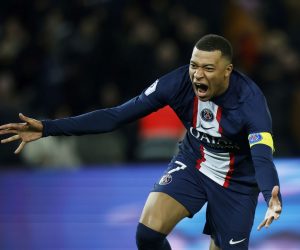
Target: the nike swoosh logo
pixel 206 128
pixel 232 242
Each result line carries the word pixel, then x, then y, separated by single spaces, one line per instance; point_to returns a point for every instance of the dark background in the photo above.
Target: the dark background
pixel 63 58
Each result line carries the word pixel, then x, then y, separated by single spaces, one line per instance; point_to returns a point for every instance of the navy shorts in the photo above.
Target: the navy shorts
pixel 229 214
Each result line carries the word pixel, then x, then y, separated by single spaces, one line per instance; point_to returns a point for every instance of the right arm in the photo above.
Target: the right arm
pixel 99 121
pixel 158 95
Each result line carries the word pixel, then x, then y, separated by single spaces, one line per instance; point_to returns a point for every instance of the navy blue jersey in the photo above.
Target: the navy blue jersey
pixel 228 138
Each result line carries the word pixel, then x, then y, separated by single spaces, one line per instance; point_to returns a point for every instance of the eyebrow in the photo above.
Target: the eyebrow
pixel 203 65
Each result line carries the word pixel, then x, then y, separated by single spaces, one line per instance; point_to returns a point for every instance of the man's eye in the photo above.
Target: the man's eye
pixel 192 65
pixel 209 69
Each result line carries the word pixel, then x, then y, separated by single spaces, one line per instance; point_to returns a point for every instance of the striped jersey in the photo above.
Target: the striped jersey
pixel 228 138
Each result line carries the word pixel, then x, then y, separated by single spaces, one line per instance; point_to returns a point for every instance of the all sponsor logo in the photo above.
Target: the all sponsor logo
pixel 253 138
pixel 166 179
pixel 207 115
pixel 214 142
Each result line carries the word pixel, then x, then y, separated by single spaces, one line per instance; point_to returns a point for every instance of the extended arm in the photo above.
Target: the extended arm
pixel 156 96
pixel 99 121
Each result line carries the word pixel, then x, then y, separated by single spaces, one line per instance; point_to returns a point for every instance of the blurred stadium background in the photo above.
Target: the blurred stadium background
pixel 61 58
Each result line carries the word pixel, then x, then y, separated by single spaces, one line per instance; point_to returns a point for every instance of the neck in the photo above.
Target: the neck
pixel 226 86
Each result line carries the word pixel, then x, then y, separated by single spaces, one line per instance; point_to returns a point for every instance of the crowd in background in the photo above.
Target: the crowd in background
pixel 60 58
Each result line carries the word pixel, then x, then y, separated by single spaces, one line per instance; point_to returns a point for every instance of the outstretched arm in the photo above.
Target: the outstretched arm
pixel 158 95
pixel 99 121
pixel 29 130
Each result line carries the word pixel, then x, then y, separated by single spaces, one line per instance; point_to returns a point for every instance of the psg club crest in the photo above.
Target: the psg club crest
pixel 253 138
pixel 166 179
pixel 207 115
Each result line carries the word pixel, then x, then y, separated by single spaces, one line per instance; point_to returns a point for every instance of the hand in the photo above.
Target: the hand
pixel 28 131
pixel 273 211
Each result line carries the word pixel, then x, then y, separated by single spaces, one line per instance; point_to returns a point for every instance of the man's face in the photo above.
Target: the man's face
pixel 209 72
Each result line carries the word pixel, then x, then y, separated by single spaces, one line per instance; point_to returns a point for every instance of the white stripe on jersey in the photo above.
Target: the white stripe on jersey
pixel 207 126
pixel 216 166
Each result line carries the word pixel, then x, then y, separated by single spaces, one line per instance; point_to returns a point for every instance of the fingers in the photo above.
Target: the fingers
pixel 10 126
pixel 261 224
pixel 16 125
pixel 24 118
pixel 271 215
pixel 36 124
pixel 8 131
pixel 269 221
pixel 21 146
pixel 266 222
pixel 10 139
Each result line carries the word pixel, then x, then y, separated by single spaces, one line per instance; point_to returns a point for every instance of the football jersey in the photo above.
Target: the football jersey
pixel 228 138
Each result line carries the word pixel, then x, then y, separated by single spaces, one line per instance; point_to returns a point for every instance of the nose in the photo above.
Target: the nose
pixel 198 74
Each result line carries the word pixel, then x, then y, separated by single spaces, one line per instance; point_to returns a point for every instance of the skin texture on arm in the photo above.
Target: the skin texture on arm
pixel 27 131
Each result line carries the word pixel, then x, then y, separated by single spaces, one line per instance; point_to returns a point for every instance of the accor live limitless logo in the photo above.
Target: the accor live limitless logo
pixel 212 141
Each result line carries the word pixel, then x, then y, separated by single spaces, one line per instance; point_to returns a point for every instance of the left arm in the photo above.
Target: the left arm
pixel 268 182
pixel 259 128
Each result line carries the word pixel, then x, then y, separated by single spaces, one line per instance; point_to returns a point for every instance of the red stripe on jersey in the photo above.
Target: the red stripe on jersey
pixel 199 161
pixel 219 115
pixel 230 171
pixel 195 112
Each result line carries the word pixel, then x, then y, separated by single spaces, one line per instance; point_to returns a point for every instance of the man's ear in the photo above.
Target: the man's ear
pixel 229 69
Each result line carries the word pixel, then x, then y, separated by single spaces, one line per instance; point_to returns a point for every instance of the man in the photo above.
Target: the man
pixel 225 158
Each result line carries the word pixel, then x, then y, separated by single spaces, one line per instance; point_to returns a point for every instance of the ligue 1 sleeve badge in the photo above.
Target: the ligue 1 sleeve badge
pixel 253 138
pixel 166 179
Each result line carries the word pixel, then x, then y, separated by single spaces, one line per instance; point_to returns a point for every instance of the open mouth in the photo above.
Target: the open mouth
pixel 201 88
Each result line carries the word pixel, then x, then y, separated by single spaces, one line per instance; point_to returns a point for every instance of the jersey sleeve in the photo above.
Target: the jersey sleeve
pixel 259 128
pixel 98 121
pixel 151 99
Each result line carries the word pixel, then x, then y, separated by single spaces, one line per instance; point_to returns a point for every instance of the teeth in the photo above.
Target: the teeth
pixel 201 87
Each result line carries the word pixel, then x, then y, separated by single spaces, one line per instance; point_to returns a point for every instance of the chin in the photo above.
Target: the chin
pixel 204 99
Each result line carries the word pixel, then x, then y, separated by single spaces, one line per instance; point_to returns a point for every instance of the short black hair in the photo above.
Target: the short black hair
pixel 212 42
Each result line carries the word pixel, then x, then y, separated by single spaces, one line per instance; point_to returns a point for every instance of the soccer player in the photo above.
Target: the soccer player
pixel 225 158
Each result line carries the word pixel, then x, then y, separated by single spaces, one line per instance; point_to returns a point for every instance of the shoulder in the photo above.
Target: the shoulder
pixel 177 75
pixel 173 81
pixel 254 108
pixel 248 90
pixel 241 90
pixel 165 88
